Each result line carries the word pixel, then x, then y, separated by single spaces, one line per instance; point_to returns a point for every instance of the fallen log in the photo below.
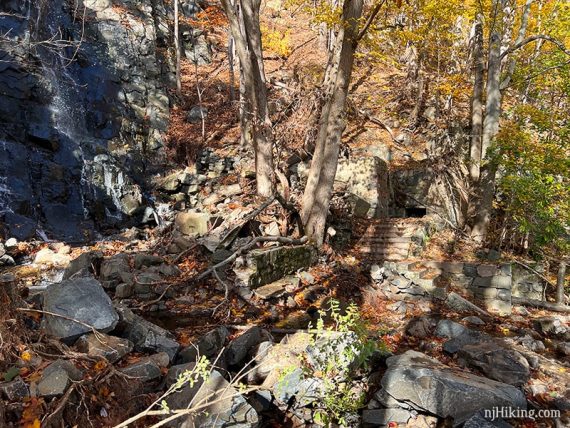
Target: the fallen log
pixel 555 307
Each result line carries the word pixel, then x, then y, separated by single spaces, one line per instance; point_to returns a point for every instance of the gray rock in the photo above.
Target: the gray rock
pixel 277 288
pixel 306 278
pixel 469 337
pixel 104 346
pixel 226 406
pixel 496 362
pixel 124 291
pixel 196 113
pixel 230 190
pixel 7 260
pixel 113 270
pixel 14 390
pixel 295 385
pixel 429 386
pixel 142 260
pixel 243 345
pixel 208 345
pixel 564 348
pixel 88 263
pixel 259 373
pixel 449 329
pixel 473 320
pixel 479 421
pixel 57 377
pixel 146 336
pixel 550 325
pixel 381 417
pixel 531 344
pixel 82 299
pixel 144 370
pixel 421 327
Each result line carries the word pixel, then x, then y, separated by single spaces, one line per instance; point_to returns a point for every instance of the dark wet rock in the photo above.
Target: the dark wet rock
pixel 104 346
pixel 258 373
pixel 496 362
pixel 82 299
pixel 57 377
pixel 208 346
pixel 429 386
pixel 146 336
pixel 564 348
pixel 530 343
pixel 243 345
pixel 196 114
pixel 14 390
pixel 87 263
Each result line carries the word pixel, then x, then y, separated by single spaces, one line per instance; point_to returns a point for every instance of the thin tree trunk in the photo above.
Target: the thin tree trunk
pixel 332 125
pixel 254 116
pixel 232 93
pixel 177 48
pixel 490 130
pixel 520 37
pixel 477 102
pixel 560 283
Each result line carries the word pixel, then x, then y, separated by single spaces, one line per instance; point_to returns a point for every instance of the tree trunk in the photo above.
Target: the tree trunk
pixel 477 102
pixel 254 113
pixel 332 124
pixel 560 283
pixel 490 130
pixel 177 49
pixel 520 37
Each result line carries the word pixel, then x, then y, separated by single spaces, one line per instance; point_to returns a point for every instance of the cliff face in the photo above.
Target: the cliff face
pixel 83 111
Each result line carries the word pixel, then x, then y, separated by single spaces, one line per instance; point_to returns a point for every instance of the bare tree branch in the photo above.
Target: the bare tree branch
pixel 532 39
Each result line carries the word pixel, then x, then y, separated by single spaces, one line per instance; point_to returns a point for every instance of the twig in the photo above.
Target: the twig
pixel 46 421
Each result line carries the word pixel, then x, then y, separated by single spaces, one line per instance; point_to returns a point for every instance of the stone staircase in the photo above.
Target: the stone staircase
pixel 389 239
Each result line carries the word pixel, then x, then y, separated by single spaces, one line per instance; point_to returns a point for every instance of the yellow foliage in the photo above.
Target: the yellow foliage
pixel 276 42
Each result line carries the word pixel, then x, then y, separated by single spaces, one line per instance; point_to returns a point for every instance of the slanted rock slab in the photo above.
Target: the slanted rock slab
pixel 57 377
pixel 81 299
pixel 429 386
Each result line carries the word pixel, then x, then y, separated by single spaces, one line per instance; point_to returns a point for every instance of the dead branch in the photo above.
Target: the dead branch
pixel 555 307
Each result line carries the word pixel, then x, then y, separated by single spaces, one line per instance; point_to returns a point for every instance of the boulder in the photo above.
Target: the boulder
pixel 243 345
pixel 473 320
pixel 146 336
pixel 145 260
pixel 114 270
pixel 480 421
pixel 225 406
pixel 208 346
pixel 449 329
pixel 87 263
pixel 147 368
pixel 57 377
pixel 192 223
pixel 468 337
pixel 429 386
pixel 421 327
pixel 496 362
pixel 550 325
pixel 104 346
pixel 82 299
pixel 457 303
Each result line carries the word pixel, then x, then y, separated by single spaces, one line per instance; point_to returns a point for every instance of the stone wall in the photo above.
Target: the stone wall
pixel 487 282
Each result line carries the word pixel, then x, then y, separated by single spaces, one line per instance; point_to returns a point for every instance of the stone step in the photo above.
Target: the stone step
pixel 388 239
pixel 375 250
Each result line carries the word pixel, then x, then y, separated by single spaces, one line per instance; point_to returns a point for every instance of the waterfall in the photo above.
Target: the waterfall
pixel 5 192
